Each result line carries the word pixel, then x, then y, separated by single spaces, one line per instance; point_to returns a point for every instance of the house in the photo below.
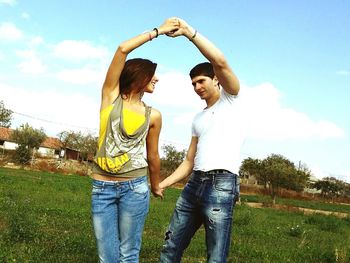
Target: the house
pixel 72 154
pixel 51 147
pixel 6 142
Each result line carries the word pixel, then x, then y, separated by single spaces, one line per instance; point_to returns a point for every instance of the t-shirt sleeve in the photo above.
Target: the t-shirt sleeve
pixel 227 96
pixel 194 132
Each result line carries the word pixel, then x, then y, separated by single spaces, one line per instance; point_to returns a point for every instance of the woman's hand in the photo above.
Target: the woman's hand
pixel 157 192
pixel 184 29
pixel 169 25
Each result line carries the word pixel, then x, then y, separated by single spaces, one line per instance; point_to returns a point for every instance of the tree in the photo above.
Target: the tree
pixel 70 139
pixel 173 158
pixel 5 116
pixel 85 144
pixel 302 177
pixel 88 146
pixel 327 188
pixel 27 139
pixel 332 187
pixel 276 172
pixel 252 167
pixel 279 172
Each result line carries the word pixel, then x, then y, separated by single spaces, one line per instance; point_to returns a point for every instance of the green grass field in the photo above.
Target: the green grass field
pixel 45 217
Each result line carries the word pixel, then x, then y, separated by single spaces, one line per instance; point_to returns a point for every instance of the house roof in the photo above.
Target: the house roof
pixel 49 142
pixel 5 134
pixel 52 143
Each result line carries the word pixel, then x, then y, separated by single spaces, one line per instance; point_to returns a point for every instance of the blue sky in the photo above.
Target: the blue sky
pixel 292 58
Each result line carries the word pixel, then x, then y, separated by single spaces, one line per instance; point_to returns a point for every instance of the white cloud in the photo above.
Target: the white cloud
pixel 344 176
pixel 8 2
pixel 184 118
pixel 81 76
pixel 35 41
pixel 9 31
pixel 59 110
pixel 261 105
pixel 174 95
pixel 25 15
pixel 270 120
pixel 319 173
pixel 31 63
pixel 79 50
pixel 175 89
pixel 343 72
pixel 176 99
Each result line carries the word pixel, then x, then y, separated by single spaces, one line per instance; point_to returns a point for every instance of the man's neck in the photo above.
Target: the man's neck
pixel 212 100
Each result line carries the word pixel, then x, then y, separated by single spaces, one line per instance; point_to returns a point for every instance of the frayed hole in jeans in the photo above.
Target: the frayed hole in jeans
pixel 167 235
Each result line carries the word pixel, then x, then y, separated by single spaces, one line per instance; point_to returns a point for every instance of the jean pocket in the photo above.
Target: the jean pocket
pixel 96 188
pixel 224 184
pixel 141 188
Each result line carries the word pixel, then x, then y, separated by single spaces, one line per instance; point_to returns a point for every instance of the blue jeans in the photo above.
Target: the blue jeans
pixel 119 210
pixel 207 199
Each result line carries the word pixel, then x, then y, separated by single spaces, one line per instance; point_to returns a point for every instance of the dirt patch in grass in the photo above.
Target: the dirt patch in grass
pixel 306 211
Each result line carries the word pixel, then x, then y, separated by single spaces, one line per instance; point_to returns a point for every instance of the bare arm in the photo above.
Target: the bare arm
pixel 110 88
pixel 184 169
pixel 222 69
pixel 152 152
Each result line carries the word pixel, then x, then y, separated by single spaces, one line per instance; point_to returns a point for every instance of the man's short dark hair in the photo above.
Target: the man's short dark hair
pixel 203 69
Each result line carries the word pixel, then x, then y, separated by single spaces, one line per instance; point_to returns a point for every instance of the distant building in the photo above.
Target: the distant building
pixel 72 154
pixel 51 147
pixel 6 142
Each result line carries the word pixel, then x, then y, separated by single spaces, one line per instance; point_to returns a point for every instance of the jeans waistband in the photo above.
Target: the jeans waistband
pixel 114 183
pixel 212 172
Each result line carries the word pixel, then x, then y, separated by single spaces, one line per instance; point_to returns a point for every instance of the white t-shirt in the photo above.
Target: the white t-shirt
pixel 221 131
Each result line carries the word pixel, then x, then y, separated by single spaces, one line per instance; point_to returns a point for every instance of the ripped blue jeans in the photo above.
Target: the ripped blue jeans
pixel 207 199
pixel 119 210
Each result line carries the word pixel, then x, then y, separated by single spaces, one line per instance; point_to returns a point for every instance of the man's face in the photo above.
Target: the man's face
pixel 204 86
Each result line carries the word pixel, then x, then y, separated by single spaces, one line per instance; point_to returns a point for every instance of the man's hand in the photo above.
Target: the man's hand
pixel 157 192
pixel 184 29
pixel 170 25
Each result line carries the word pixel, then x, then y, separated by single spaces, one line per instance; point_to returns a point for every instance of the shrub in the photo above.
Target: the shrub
pixel 22 155
pixel 42 165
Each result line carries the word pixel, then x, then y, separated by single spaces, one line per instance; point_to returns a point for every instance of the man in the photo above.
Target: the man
pixel 210 195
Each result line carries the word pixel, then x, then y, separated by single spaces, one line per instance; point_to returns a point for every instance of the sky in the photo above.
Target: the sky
pixel 292 59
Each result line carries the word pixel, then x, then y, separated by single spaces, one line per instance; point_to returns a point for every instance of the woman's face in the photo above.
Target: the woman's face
pixel 151 85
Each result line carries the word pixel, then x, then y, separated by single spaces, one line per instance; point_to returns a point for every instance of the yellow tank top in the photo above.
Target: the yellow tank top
pixel 116 147
pixel 132 121
pixel 104 115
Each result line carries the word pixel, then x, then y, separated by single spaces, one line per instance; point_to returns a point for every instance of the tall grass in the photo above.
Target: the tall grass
pixel 45 217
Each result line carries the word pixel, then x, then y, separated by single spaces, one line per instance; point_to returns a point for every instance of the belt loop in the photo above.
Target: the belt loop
pixel 131 184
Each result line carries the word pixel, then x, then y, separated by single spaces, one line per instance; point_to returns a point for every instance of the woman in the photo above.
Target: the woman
pixel 128 129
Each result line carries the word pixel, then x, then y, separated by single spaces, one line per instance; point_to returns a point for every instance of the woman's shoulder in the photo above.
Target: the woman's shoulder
pixel 110 103
pixel 155 112
pixel 155 116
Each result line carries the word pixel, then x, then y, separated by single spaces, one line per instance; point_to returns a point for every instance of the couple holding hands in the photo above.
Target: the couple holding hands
pixel 129 128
